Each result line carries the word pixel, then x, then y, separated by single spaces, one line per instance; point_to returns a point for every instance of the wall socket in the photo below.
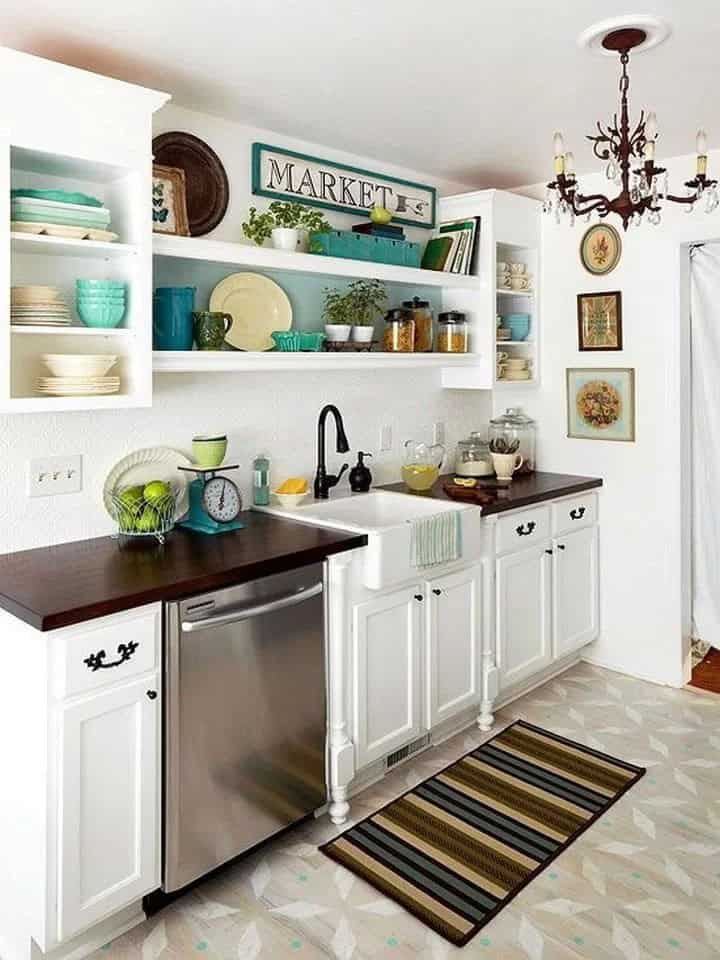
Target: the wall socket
pixel 48 476
pixel 385 437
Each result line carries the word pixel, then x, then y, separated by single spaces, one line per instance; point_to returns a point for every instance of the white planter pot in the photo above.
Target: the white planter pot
pixel 285 238
pixel 338 332
pixel 303 243
pixel 362 334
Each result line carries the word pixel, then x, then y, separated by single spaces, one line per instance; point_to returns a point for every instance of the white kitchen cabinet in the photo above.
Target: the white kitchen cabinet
pixel 108 802
pixel 387 688
pixel 575 590
pixel 453 629
pixel 523 617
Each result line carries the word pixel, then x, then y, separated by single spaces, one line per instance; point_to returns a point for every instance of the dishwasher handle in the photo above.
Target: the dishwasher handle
pixel 257 610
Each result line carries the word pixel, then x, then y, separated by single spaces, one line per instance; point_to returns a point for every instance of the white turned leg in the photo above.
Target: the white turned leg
pixel 339 807
pixel 486 719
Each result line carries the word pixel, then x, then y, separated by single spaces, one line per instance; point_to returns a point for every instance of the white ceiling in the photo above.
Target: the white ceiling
pixel 467 89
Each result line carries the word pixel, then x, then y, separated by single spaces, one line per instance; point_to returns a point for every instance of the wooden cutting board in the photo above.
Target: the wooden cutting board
pixel 467 494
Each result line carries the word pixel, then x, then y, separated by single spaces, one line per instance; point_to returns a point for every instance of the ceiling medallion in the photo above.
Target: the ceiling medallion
pixel 642 189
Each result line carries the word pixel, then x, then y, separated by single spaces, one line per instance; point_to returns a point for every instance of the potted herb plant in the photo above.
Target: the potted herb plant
pixel 354 311
pixel 286 224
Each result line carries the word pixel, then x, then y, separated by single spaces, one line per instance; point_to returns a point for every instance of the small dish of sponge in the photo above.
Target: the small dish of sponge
pixel 292 492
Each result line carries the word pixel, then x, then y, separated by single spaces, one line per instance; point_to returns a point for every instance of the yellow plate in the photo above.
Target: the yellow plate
pixel 257 305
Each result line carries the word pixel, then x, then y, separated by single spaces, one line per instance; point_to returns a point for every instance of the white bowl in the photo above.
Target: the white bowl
pixel 78 365
pixel 288 500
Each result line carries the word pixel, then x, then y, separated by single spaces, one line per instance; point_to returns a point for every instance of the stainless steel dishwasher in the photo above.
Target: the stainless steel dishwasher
pixel 244 718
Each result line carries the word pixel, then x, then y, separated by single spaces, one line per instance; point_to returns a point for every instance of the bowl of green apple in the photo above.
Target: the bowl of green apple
pixel 145 509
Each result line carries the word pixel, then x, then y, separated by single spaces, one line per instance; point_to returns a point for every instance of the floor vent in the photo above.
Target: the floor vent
pixel 393 759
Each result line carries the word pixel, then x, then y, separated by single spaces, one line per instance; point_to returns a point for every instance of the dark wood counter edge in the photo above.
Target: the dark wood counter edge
pixel 212 581
pixel 567 491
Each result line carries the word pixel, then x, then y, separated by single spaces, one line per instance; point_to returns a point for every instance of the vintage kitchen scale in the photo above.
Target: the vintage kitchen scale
pixel 215 501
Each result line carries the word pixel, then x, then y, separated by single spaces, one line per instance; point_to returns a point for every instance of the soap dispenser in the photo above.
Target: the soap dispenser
pixel 360 477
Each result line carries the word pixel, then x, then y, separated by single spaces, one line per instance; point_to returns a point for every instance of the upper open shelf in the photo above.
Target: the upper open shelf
pixel 265 258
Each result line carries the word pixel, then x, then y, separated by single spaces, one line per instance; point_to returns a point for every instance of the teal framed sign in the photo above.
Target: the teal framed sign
pixel 287 175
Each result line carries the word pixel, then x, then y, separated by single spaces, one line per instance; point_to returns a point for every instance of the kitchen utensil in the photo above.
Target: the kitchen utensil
pixel 466 494
pixel 514 426
pixel 172 318
pixel 142 466
pixel 78 365
pixel 505 465
pixel 215 501
pixel 258 307
pixel 63 231
pixel 288 500
pixel 100 286
pixel 422 464
pixel 472 458
pixel 517 269
pixel 209 451
pixel 99 314
pixel 206 184
pixel 519 283
pixel 519 324
pixel 210 329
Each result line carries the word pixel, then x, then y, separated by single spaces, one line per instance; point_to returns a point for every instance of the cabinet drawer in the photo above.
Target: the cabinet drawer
pixel 106 651
pixel 574 512
pixel 522 529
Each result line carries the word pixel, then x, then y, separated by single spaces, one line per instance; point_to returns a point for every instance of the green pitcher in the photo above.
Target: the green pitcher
pixel 210 329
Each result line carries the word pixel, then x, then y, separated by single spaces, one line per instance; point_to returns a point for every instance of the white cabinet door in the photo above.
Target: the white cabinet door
pixel 387 685
pixel 523 613
pixel 575 589
pixel 108 803
pixel 453 634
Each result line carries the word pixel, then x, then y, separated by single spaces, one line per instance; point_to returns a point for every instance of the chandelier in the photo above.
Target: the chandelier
pixel 629 157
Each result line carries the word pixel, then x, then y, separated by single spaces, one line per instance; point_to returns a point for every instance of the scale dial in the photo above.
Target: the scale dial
pixel 221 499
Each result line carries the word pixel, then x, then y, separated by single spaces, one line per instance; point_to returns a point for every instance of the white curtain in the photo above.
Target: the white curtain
pixel 705 420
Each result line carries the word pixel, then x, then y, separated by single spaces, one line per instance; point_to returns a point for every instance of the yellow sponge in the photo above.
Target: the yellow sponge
pixel 293 485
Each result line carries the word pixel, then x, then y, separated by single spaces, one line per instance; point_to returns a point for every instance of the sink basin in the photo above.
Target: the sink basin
pixel 385 517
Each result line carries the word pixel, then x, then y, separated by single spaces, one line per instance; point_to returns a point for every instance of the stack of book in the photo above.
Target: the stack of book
pixel 380 230
pixel 454 249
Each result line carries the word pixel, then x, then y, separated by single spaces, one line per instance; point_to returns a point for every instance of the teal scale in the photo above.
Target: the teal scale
pixel 215 501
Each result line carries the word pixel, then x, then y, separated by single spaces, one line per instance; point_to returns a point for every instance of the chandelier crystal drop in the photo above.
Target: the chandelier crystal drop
pixel 643 188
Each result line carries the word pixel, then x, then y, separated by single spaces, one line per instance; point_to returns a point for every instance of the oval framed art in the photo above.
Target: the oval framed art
pixel 600 249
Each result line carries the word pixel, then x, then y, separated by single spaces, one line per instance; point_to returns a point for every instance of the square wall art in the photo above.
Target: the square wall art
pixel 601 403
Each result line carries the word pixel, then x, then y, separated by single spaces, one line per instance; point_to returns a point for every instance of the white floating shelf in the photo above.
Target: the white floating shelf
pixel 528 294
pixel 516 383
pixel 49 404
pixel 266 258
pixel 194 361
pixel 514 343
pixel 66 247
pixel 71 331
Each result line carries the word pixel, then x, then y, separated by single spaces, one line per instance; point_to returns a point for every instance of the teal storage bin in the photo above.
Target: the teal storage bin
pixel 360 246
pixel 295 341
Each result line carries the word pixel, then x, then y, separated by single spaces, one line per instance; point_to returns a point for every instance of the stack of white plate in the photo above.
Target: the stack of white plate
pixel 78 375
pixel 38 306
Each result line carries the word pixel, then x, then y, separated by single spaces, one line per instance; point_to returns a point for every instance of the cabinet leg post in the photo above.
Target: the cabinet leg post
pixel 485 718
pixel 339 806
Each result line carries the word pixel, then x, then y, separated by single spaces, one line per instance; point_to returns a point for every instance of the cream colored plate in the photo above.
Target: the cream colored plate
pixel 142 466
pixel 62 230
pixel 257 305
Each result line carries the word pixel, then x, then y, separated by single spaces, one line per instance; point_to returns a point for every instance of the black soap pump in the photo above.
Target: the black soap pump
pixel 360 477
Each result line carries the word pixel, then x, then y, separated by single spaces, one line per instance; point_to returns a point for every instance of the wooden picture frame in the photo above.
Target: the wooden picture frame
pixel 169 203
pixel 601 403
pixel 599 318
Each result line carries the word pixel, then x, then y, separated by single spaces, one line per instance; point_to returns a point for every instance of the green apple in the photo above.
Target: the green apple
pixel 156 491
pixel 148 521
pixel 132 496
pixel 380 215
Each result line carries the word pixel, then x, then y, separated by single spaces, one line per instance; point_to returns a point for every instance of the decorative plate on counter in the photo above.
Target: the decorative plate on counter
pixel 206 184
pixel 142 466
pixel 258 307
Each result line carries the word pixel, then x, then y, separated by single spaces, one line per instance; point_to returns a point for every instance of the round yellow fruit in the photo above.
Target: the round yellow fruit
pixel 380 215
pixel 156 491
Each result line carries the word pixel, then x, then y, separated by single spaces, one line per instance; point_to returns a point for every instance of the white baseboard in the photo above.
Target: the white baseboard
pixel 96 936
pixel 617 668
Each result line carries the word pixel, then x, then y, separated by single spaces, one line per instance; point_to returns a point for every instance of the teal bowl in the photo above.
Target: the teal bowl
pixel 93 286
pixel 109 296
pixel 101 314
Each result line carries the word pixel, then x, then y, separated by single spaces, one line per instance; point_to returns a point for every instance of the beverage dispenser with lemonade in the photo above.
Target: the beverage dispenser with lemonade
pixel 422 464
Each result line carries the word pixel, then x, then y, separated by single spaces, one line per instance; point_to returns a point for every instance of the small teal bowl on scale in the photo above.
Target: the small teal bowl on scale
pixel 519 324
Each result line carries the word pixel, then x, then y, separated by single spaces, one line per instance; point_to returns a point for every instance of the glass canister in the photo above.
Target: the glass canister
pixel 399 335
pixel 514 429
pixel 422 315
pixel 472 458
pixel 452 334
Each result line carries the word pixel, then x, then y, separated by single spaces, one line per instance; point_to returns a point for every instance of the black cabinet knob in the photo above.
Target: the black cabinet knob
pixel 152 694
pixel 549 551
pixel 436 591
pixel 561 546
pixel 419 597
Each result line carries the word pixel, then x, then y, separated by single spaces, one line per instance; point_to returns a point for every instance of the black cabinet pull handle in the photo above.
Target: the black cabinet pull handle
pixel 419 597
pixel 577 514
pixel 436 591
pixel 96 661
pixel 525 529
pixel 549 551
pixel 561 546
pixel 152 694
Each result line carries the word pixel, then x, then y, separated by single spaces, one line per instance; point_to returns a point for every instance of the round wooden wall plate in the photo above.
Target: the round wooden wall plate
pixel 206 183
pixel 600 249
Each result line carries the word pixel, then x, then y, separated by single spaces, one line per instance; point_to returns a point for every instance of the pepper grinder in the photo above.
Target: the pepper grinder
pixel 360 476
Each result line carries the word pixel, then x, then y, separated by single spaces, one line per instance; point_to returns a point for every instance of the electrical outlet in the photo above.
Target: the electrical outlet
pixel 439 432
pixel 385 437
pixel 50 475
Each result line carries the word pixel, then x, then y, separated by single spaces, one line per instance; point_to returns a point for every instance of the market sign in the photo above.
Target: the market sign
pixel 286 175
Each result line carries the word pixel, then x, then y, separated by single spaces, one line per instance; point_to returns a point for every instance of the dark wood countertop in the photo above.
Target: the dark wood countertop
pixel 55 586
pixel 526 489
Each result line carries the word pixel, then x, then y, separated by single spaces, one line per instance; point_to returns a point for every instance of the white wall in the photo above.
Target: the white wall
pixel 260 412
pixel 642 523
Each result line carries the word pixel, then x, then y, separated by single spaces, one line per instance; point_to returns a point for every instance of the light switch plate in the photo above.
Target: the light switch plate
pixel 385 437
pixel 48 476
pixel 439 432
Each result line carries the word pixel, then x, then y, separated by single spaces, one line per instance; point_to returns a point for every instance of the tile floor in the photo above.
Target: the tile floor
pixel 643 883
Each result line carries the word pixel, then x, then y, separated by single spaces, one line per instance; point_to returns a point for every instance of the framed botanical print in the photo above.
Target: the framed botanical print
pixel 169 205
pixel 600 249
pixel 601 403
pixel 599 318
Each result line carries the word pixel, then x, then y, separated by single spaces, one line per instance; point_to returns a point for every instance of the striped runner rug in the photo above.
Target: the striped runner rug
pixel 458 847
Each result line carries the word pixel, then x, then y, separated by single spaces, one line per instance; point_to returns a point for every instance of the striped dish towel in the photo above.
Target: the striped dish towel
pixel 436 539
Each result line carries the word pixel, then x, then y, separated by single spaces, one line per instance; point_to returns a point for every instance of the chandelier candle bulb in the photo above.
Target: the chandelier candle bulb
pixel 701 147
pixel 569 164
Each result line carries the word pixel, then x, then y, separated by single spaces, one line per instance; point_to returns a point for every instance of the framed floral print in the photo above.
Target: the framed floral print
pixel 169 205
pixel 599 318
pixel 601 403
pixel 600 249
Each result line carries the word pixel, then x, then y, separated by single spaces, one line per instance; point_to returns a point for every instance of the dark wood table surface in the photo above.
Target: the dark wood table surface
pixel 55 586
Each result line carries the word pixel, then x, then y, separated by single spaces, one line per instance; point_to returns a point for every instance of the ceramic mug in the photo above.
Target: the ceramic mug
pixel 519 282
pixel 505 465
pixel 210 329
pixel 502 267
pixel 172 318
pixel 517 269
pixel 499 371
pixel 503 280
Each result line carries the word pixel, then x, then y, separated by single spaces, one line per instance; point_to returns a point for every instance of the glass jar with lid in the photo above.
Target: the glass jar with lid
pixel 452 334
pixel 472 458
pixel 399 334
pixel 422 315
pixel 514 429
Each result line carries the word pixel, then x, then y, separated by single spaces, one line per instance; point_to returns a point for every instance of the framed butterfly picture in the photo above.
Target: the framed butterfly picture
pixel 169 204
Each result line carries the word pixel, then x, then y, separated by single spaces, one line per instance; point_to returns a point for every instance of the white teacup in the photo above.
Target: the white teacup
pixel 519 282
pixel 499 371
pixel 505 465
pixel 516 363
pixel 502 267
pixel 516 269
pixel 503 280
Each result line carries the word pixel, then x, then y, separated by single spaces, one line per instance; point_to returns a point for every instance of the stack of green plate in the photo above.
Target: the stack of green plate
pixel 58 207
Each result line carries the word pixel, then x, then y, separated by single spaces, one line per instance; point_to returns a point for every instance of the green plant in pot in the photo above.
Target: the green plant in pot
pixel 286 224
pixel 355 310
